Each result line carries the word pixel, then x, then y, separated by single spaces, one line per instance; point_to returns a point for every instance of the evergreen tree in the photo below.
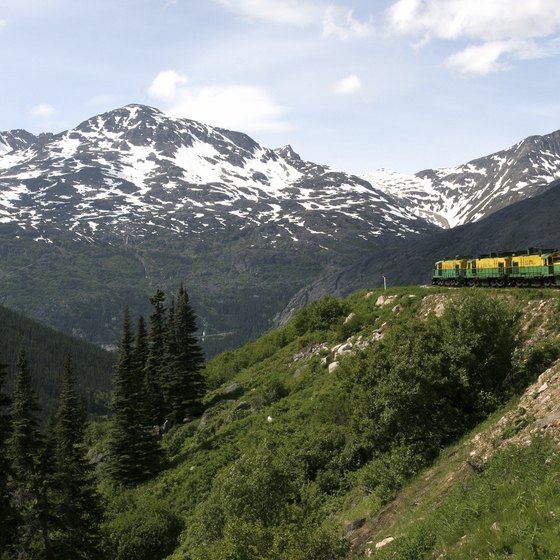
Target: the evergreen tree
pixel 184 382
pixel 141 347
pixel 149 450
pixel 29 488
pixel 155 362
pixel 133 447
pixel 77 508
pixel 7 513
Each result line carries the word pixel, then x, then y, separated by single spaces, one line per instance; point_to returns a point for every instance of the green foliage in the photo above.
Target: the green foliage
pixel 28 486
pixel 534 361
pixel 7 512
pixel 320 315
pixel 76 504
pixel 429 380
pixel 134 449
pixel 183 383
pixel 309 445
pixel 46 349
pixel 144 532
pixel 508 511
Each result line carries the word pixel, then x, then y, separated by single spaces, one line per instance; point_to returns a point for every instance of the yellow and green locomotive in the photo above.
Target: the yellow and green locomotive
pixel 532 267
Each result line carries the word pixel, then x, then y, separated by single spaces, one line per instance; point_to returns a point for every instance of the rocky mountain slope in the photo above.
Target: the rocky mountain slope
pixel 467 193
pixel 136 172
pixel 528 223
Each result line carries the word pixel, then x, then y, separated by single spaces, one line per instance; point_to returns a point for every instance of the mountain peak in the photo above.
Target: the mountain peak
pixel 287 152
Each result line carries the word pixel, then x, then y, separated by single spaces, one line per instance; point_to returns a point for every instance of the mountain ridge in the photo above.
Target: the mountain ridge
pixel 132 199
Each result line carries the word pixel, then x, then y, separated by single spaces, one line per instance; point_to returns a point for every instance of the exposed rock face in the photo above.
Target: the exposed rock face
pixel 469 192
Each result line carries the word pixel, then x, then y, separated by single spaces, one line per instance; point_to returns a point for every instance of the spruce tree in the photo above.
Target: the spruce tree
pixel 184 382
pixel 25 451
pixel 155 363
pixel 8 520
pixel 77 507
pixel 133 447
pixel 149 450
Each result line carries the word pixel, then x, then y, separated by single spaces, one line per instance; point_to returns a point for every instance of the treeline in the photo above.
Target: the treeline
pixel 46 349
pixel 49 505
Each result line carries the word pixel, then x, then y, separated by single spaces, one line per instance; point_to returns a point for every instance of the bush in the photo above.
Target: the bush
pixel 320 315
pixel 148 532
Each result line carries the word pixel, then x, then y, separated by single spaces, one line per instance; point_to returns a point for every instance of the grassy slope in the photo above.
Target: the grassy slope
pixel 297 410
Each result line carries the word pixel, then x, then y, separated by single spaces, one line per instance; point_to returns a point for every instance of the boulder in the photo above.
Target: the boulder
pixel 243 405
pixel 349 318
pixel 397 309
pixel 385 300
pixel 344 349
pixel 233 388
pixel 333 366
pixel 384 543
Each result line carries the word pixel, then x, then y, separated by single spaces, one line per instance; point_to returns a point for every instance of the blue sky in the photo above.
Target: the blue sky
pixel 359 85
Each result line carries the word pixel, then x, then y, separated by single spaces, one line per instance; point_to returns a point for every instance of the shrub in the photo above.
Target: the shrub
pixel 320 315
pixel 148 532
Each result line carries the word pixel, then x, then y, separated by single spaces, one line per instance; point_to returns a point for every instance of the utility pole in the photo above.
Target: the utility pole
pixel 384 282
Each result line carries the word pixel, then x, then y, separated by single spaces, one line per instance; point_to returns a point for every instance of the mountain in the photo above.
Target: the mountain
pixel 467 193
pixel 46 351
pixel 99 216
pixel 136 172
pixel 529 223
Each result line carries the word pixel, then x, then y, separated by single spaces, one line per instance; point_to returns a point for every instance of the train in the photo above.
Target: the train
pixel 530 267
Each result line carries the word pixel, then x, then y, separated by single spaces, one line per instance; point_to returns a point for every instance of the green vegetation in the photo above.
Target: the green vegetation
pixel 321 423
pixel 288 448
pixel 46 351
pixel 510 510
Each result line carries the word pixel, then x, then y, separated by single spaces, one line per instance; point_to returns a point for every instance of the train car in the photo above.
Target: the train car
pixel 450 272
pixel 531 267
pixel 489 270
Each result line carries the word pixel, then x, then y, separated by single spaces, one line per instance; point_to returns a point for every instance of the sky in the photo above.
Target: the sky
pixel 359 85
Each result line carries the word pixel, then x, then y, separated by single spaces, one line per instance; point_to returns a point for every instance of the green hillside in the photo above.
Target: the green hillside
pixel 46 350
pixel 313 437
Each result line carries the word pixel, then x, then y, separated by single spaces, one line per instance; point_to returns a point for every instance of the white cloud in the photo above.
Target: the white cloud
pixel 165 84
pixel 240 107
pixel 332 19
pixel 500 30
pixel 341 23
pixel 42 110
pixel 2 23
pixel 350 84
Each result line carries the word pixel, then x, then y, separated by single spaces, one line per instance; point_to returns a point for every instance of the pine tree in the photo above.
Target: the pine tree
pixel 77 507
pixel 133 447
pixel 155 362
pixel 8 519
pixel 149 450
pixel 184 382
pixel 140 356
pixel 29 488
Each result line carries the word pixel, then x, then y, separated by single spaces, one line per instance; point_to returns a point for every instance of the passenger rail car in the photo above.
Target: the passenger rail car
pixel 532 267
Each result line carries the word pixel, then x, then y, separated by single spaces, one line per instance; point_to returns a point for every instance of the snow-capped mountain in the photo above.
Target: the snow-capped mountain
pixel 466 193
pixel 136 171
pixel 96 217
